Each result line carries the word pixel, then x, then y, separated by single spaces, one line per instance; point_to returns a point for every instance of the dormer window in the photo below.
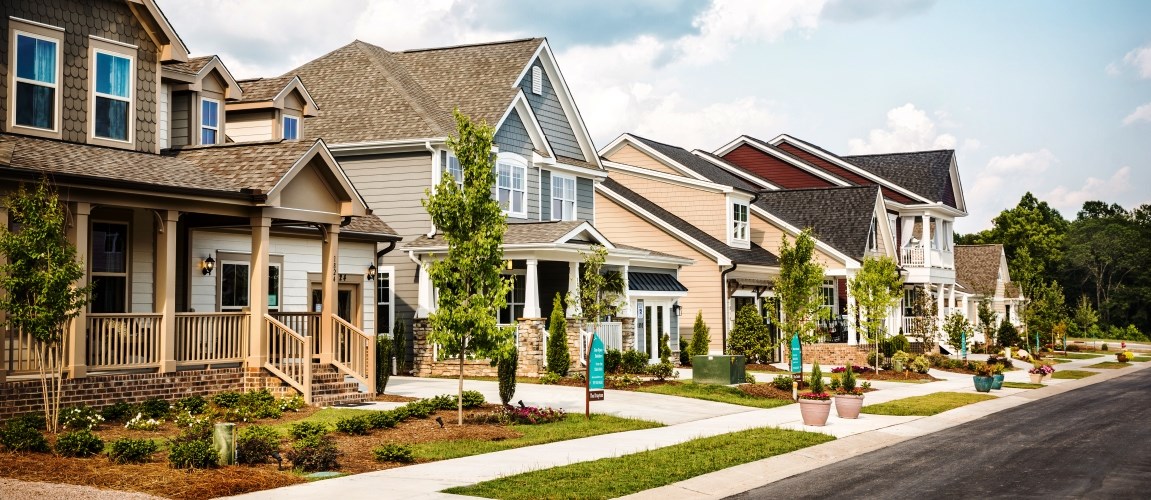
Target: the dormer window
pixel 739 222
pixel 873 236
pixel 291 128
pixel 537 80
pixel 113 96
pixel 563 197
pixel 36 76
pixel 209 121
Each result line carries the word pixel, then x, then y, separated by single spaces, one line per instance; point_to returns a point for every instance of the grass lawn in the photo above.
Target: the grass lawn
pixel 925 406
pixel 719 393
pixel 326 415
pixel 1057 360
pixel 1141 359
pixel 574 427
pixel 1072 374
pixel 1021 385
pixel 1079 355
pixel 614 477
pixel 1110 365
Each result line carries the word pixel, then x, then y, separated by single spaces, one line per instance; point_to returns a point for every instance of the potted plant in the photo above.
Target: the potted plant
pixel 848 398
pixel 984 377
pixel 1040 371
pixel 815 406
pixel 997 367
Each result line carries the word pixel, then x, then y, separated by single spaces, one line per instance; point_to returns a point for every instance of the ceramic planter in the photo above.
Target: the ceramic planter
pixel 997 382
pixel 814 412
pixel 1036 378
pixel 848 405
pixel 983 384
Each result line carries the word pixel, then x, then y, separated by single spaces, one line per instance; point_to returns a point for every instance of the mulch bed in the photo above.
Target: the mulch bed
pixel 764 390
pixel 392 398
pixel 893 375
pixel 756 367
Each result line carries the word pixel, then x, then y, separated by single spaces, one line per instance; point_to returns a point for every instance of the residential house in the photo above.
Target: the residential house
pixel 214 265
pixel 983 270
pixel 387 116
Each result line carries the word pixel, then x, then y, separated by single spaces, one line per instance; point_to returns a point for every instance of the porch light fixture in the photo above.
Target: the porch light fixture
pixel 676 309
pixel 371 272
pixel 207 265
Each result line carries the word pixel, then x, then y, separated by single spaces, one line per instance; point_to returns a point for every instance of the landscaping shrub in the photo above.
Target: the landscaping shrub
pixel 921 364
pixel 1007 334
pixel 684 358
pixel 748 378
pixel 816 380
pixel 255 443
pixel 292 403
pixel 260 404
pixel 633 362
pixel 421 409
pixel 700 338
pixel 117 412
pixel 33 420
pixel 382 419
pixel 662 371
pixel 303 430
pixel 611 360
pixel 186 420
pixel 131 451
pixel 900 343
pixel 506 366
pixel 782 382
pixel 358 425
pixel 20 435
pixel 226 399
pixel 81 443
pixel 872 361
pixel 80 417
pixel 559 360
pixel 441 402
pixel 193 405
pixel 314 453
pixel 154 408
pixel 1103 347
pixel 531 415
pixel 550 378
pixel 192 454
pixel 391 452
pixel 472 399
pixel 384 346
pixel 142 423
pixel 749 335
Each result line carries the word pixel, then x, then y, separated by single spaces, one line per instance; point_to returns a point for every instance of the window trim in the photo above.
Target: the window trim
pixel 515 162
pixel 573 199
pixel 735 225
pixel 234 257
pixel 99 46
pixel 390 272
pixel 446 157
pixel 202 126
pixel 284 127
pixel 519 275
pixel 833 285
pixel 873 235
pixel 17 26
pixel 127 274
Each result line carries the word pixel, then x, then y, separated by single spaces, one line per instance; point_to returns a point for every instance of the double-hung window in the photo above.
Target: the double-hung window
pixel 739 221
pixel 451 166
pixel 563 197
pixel 511 180
pixel 37 60
pixel 291 128
pixel 384 299
pixel 113 107
pixel 109 267
pixel 514 310
pixel 830 298
pixel 235 281
pixel 209 121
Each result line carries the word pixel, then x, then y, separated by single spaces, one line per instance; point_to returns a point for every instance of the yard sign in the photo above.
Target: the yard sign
pixel 796 359
pixel 595 375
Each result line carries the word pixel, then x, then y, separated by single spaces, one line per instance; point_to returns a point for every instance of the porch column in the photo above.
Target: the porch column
pixel 940 290
pixel 573 289
pixel 164 296
pixel 626 311
pixel 258 292
pixel 424 299
pixel 331 254
pixel 925 240
pixel 951 306
pixel 78 332
pixel 852 337
pixel 3 314
pixel 532 290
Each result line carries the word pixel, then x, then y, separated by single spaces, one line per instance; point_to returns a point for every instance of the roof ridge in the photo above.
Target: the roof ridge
pixel 465 45
pixel 824 188
pixel 404 83
pixel 903 153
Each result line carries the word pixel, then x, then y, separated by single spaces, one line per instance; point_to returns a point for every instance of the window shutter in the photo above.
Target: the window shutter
pixel 537 80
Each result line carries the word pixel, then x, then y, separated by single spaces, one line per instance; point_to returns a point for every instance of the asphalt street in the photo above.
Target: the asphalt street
pixel 1093 442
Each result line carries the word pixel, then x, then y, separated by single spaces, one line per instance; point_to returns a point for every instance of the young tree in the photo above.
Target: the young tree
pixel 749 336
pixel 925 323
pixel 876 289
pixel 986 317
pixel 471 288
pixel 955 325
pixel 700 337
pixel 600 293
pixel 1044 310
pixel 1008 335
pixel 798 289
pixel 559 360
pixel 1085 316
pixel 39 281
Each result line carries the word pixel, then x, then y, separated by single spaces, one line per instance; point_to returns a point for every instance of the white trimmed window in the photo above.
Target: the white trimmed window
pixel 739 222
pixel 291 128
pixel 563 197
pixel 113 86
pixel 511 182
pixel 235 286
pixel 515 308
pixel 537 80
pixel 873 236
pixel 37 65
pixel 451 166
pixel 209 121
pixel 385 300
pixel 830 295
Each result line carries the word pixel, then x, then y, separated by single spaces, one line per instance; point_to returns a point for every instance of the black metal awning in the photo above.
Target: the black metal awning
pixel 653 282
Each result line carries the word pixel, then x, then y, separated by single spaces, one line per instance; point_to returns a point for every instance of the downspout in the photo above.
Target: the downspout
pixel 432 232
pixel 723 309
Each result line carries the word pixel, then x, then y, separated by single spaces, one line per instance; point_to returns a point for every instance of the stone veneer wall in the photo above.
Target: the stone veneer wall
pixel 531 353
pixel 25 396
pixel 573 334
pixel 627 327
pixel 835 354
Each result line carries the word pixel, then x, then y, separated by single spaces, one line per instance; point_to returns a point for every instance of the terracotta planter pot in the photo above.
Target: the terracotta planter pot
pixel 997 382
pixel 1036 378
pixel 814 412
pixel 848 405
pixel 983 384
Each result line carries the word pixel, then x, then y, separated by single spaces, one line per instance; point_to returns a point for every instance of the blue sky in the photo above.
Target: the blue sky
pixel 1051 96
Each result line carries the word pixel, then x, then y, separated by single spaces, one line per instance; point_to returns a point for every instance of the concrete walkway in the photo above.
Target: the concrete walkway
pixel 688 419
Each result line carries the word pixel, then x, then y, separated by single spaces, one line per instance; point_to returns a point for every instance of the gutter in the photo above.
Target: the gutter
pixel 723 288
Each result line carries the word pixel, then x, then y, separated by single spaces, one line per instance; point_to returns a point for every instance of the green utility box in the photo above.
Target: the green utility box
pixel 722 370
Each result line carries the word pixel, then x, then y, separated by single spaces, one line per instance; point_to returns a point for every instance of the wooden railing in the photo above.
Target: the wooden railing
pixel 20 352
pixel 204 338
pixel 303 323
pixel 354 352
pixel 123 341
pixel 289 356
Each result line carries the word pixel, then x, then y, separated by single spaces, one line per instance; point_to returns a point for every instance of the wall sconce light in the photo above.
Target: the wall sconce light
pixel 509 264
pixel 676 309
pixel 207 265
pixel 371 272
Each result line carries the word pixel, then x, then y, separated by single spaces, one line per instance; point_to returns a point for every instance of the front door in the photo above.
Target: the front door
pixel 655 325
pixel 347 301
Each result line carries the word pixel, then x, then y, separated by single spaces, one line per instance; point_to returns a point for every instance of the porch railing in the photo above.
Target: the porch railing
pixel 611 333
pixel 203 338
pixel 123 341
pixel 306 324
pixel 289 356
pixel 911 256
pixel 353 352
pixel 20 352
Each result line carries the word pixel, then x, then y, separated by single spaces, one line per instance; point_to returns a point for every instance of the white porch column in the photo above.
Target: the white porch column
pixel 532 290
pixel 330 261
pixel 951 305
pixel 851 326
pixel 940 290
pixel 626 311
pixel 78 344
pixel 966 312
pixel 164 295
pixel 424 303
pixel 258 292
pixel 573 289
pixel 925 240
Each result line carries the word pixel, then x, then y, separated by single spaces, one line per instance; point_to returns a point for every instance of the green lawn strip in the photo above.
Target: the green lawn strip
pixel 927 405
pixel 718 393
pixel 1141 359
pixel 1021 385
pixel 1079 355
pixel 573 427
pixel 1109 365
pixel 614 477
pixel 519 380
pixel 327 415
pixel 1072 374
pixel 1058 361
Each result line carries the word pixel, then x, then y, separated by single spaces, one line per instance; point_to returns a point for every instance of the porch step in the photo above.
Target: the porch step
pixel 330 387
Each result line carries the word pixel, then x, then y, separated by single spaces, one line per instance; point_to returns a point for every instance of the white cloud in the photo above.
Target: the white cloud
pixel 1140 59
pixel 1093 189
pixel 908 129
pixel 1031 163
pixel 727 22
pixel 1112 69
pixel 1141 114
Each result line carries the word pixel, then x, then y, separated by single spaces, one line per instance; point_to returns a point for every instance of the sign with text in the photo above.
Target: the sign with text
pixel 595 370
pixel 963 347
pixel 796 359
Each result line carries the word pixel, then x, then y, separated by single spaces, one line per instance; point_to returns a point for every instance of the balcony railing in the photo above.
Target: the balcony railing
pixel 918 256
pixel 911 256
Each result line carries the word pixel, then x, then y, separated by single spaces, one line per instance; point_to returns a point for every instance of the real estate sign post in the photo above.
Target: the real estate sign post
pixel 595 373
pixel 796 359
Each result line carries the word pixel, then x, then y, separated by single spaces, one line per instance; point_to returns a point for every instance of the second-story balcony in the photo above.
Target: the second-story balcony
pixel 921 256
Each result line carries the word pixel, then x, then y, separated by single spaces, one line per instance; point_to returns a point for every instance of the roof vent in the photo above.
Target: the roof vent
pixel 537 80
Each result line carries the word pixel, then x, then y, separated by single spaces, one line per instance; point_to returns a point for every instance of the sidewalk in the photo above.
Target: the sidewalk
pixel 867 433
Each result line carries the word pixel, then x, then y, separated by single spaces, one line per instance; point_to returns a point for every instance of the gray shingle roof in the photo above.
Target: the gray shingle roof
pixel 978 266
pixel 755 255
pixel 524 233
pixel 653 282
pixel 712 172
pixel 192 66
pixel 264 89
pixel 926 173
pixel 838 216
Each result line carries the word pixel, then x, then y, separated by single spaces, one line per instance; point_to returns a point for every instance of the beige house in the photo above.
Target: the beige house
pixel 982 269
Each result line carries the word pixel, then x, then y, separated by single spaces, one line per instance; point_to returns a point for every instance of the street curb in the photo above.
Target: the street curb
pixel 742 478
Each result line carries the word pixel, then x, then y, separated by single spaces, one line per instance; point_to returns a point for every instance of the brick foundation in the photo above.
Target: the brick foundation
pixel 25 396
pixel 531 353
pixel 834 354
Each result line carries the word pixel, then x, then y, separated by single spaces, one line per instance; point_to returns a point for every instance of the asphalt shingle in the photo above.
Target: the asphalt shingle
pixel 845 228
pixel 926 173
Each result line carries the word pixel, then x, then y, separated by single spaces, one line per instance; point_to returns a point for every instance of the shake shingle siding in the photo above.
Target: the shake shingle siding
pixel 551 116
pixel 512 137
pixel 546 194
